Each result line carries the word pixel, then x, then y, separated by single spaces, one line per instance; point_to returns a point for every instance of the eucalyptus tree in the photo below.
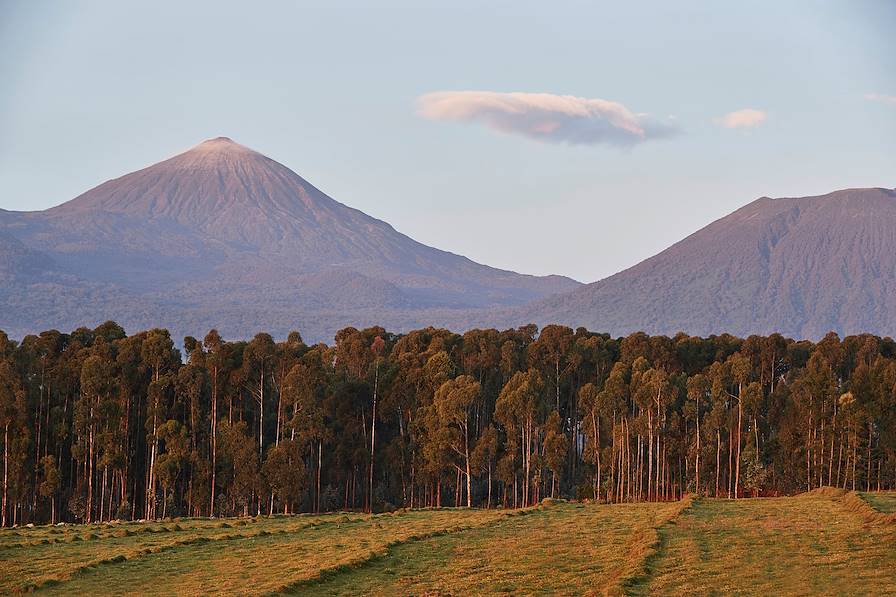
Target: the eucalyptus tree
pixel 304 390
pixel 214 358
pixel 97 386
pixel 555 447
pixel 698 388
pixel 452 404
pixel 484 458
pixel 284 472
pixel 519 410
pixel 160 356
pixel 256 362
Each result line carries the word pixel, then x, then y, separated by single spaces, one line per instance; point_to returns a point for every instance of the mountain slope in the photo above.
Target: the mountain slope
pixel 17 260
pixel 799 266
pixel 223 229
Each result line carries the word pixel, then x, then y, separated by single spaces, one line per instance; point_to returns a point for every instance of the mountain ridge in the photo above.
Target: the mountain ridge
pixel 801 266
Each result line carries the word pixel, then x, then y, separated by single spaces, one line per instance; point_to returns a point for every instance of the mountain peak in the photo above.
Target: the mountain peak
pixel 227 190
pixel 220 145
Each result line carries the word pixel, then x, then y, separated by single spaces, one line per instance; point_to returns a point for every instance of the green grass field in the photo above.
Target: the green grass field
pixel 827 542
pixel 883 502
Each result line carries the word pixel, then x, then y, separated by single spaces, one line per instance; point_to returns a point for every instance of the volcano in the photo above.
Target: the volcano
pixel 800 266
pixel 223 236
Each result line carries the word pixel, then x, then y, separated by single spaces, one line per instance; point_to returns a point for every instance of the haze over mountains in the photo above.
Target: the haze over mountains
pixel 222 236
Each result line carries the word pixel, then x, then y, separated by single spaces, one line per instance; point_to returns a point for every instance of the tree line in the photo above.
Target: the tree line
pixel 99 425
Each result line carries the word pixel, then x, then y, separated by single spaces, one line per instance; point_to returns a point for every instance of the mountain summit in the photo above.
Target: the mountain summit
pixel 235 195
pixel 799 266
pixel 223 236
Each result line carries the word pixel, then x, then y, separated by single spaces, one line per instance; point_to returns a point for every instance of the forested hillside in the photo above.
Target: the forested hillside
pixel 98 425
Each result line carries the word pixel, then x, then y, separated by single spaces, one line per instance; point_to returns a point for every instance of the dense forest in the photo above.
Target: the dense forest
pixel 98 425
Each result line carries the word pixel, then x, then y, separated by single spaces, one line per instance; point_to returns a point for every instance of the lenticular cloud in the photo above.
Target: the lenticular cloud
pixel 546 117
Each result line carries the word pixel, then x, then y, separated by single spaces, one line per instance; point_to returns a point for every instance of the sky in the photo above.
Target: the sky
pixel 573 138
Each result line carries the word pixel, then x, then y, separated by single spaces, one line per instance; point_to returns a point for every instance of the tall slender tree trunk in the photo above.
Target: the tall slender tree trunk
pixel 730 461
pixel 125 473
pixel 103 492
pixel 489 483
pixel 526 458
pixel 740 414
pixel 319 463
pixel 376 381
pixel 279 411
pixel 467 454
pixel 611 491
pixel 846 466
pixel 639 473
pixel 831 459
pixel 261 416
pixel 661 471
pixel 756 435
pixel 111 492
pixel 649 453
pixel 90 467
pixel 868 477
pixel 5 469
pixel 718 458
pixel 211 506
pixel 151 488
pixel 808 456
pixel 39 418
pixel 697 459
pixel 596 432
pixel 627 462
pixel 839 458
pixel 660 468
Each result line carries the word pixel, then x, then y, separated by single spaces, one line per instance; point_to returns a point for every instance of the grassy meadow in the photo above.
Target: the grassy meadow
pixel 827 542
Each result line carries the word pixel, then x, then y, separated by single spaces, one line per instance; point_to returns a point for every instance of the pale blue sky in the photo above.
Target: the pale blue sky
pixel 92 90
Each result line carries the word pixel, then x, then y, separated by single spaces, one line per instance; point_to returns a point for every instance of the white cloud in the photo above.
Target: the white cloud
pixel 743 119
pixel 546 117
pixel 884 99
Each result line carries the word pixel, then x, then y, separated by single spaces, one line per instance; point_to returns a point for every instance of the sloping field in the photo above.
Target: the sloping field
pixel 821 543
pixel 242 556
pixel 884 501
pixel 827 542
pixel 562 549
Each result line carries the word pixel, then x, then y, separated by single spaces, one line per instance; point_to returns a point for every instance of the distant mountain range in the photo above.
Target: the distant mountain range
pixel 222 236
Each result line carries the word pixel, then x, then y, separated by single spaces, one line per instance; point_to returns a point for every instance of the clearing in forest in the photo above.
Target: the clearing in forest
pixel 825 542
